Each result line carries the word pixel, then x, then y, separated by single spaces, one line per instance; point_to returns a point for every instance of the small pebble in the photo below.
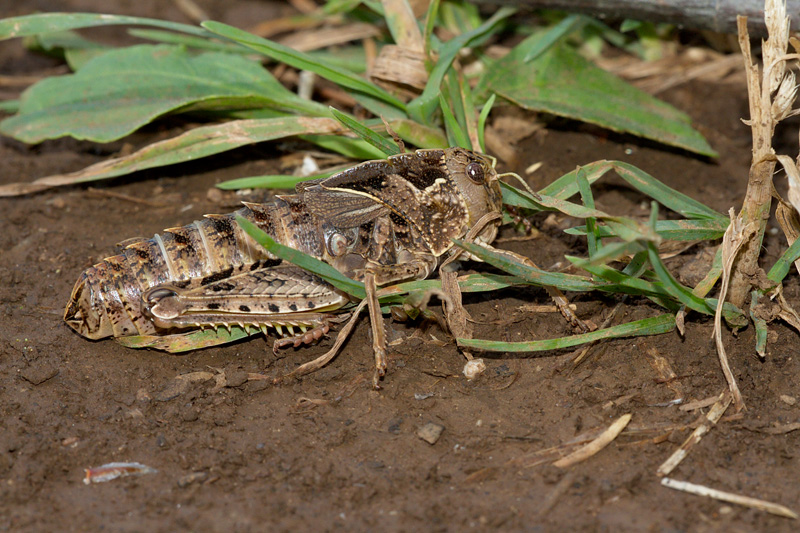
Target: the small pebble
pixel 474 368
pixel 791 400
pixel 430 432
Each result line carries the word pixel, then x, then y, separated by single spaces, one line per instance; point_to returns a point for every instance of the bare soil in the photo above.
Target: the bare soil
pixel 327 453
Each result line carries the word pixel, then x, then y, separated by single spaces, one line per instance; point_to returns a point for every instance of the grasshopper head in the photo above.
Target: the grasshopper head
pixel 477 182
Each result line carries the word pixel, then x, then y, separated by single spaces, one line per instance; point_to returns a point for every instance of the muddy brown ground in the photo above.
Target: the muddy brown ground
pixel 328 453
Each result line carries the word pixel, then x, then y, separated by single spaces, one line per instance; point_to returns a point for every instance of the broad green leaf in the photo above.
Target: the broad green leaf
pixel 561 82
pixel 320 268
pixel 194 144
pixel 647 326
pixel 302 61
pixel 123 89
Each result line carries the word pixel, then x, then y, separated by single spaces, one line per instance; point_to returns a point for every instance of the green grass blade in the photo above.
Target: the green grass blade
pixel 710 279
pixel 468 283
pixel 539 46
pixel 320 268
pixel 456 136
pixel 187 342
pixel 346 146
pixel 28 25
pixel 191 41
pixel 418 134
pixel 487 108
pixel 781 267
pixel 673 230
pixel 760 325
pixel 567 185
pixel 194 144
pixel 638 328
pixel 386 146
pixel 625 228
pixel 302 61
pixel 666 196
pixel 421 108
pixel 268 182
pixel 530 274
pixel 9 106
pixel 430 24
pixel 675 289
pixel 592 234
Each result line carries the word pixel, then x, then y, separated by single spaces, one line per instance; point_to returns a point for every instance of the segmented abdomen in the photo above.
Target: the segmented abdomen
pixel 106 300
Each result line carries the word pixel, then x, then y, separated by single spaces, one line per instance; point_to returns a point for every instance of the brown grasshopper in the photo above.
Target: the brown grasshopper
pixel 379 222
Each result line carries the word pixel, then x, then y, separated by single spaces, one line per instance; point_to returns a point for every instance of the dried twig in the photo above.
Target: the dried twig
pixel 597 444
pixel 730 497
pixel 712 418
pixel 736 236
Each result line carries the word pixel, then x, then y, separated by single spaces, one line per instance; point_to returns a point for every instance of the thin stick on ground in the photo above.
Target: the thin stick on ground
pixel 712 418
pixel 597 444
pixel 730 497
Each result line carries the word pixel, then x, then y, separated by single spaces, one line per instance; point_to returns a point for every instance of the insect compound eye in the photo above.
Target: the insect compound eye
pixel 475 172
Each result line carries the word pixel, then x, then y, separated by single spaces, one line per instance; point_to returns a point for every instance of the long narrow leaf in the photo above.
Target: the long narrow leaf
pixel 784 262
pixel 666 196
pixel 320 268
pixel 421 108
pixel 301 61
pixel 647 326
pixel 194 144
pixel 381 143
pixel 530 274
pixel 187 342
pixel 27 25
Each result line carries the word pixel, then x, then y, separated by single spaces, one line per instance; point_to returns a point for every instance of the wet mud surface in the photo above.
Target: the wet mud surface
pixel 327 452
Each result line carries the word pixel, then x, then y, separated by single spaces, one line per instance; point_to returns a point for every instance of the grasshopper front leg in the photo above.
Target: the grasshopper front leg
pixel 413 267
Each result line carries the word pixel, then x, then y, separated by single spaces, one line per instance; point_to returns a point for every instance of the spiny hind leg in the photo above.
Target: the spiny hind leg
pixel 275 297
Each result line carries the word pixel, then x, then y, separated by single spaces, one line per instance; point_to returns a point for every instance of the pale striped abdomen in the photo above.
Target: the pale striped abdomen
pixel 107 298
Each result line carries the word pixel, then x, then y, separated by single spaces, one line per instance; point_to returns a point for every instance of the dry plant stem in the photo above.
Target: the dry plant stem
pixel 736 236
pixel 712 418
pixel 730 497
pixel 596 445
pixel 758 199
